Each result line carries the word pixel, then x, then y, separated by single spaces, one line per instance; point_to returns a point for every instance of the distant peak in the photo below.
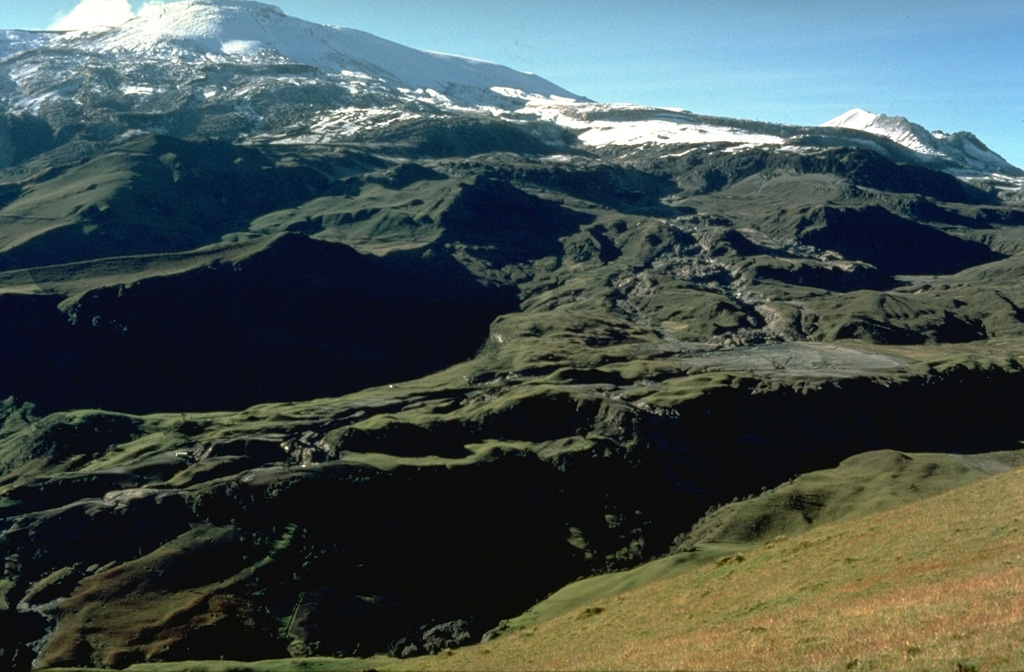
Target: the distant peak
pixel 856 115
pixel 961 148
pixel 861 119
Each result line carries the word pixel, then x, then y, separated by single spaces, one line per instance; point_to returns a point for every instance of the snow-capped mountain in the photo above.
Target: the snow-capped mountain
pixel 961 148
pixel 243 32
pixel 244 71
pixel 234 69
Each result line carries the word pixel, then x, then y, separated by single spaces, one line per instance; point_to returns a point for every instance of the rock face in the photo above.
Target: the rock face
pixel 373 372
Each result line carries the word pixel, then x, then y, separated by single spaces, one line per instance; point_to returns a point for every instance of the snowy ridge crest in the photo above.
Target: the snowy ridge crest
pixel 898 129
pixel 961 148
pixel 242 70
pixel 246 31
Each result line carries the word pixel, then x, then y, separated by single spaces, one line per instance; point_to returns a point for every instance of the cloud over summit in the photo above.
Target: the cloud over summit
pixel 97 13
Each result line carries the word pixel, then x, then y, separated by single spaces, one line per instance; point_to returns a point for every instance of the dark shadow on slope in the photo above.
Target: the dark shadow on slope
pixel 466 136
pixel 504 225
pixel 296 320
pixel 894 245
pixel 623 188
pixel 405 174
pixel 28 136
pixel 711 170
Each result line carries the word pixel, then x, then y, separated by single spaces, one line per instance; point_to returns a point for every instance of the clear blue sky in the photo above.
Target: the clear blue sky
pixel 947 64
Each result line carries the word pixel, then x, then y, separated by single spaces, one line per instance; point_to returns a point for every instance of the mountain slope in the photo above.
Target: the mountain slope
pixel 229 70
pixel 304 354
pixel 240 70
pixel 238 31
pixel 878 591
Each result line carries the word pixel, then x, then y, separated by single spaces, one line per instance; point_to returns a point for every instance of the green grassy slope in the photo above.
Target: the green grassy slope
pixel 861 485
pixel 928 579
pixel 934 584
pixel 151 194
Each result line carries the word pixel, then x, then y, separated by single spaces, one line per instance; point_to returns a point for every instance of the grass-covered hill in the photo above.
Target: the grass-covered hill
pixel 897 561
pixel 286 401
pixel 928 585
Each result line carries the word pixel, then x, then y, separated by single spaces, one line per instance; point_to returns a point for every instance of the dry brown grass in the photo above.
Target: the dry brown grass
pixel 934 585
pixel 147 606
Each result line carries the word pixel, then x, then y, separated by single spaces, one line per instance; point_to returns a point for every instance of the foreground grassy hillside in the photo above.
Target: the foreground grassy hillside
pixel 933 584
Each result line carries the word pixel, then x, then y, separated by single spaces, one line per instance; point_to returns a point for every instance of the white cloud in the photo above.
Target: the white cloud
pixel 151 6
pixel 95 13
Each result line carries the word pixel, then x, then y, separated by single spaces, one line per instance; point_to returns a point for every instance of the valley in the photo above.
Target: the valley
pixel 589 369
pixel 332 393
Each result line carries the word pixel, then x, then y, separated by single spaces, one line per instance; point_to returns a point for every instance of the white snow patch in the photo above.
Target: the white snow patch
pixel 131 90
pixel 630 125
pixel 35 103
pixel 241 47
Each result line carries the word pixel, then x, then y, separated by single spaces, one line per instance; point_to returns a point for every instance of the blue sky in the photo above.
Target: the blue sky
pixel 948 65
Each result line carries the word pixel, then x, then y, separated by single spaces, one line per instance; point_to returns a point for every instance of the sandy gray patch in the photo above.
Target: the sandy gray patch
pixel 792 357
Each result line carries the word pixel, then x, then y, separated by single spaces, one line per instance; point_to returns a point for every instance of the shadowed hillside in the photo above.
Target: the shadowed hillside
pixel 294 319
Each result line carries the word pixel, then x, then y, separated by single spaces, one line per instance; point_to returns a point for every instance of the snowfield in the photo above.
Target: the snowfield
pixel 603 125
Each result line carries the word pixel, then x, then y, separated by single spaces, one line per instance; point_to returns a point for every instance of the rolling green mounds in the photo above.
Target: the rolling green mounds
pixel 863 484
pixel 264 402
pixel 150 194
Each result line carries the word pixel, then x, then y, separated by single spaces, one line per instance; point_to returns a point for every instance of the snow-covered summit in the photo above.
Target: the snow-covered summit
pixel 898 129
pixel 246 31
pixel 244 71
pixel 962 148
